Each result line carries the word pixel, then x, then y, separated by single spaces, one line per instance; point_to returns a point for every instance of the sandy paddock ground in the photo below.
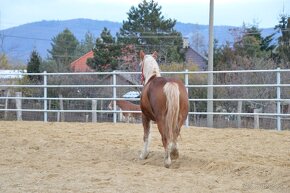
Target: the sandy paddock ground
pixel 103 157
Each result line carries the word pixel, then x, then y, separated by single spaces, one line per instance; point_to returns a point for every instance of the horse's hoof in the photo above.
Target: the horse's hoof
pixel 143 155
pixel 174 154
pixel 167 163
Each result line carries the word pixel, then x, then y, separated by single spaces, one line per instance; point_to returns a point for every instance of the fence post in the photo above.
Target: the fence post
pixel 101 114
pixel 62 118
pixel 19 106
pixel 186 86
pixel 6 104
pixel 114 96
pixel 94 108
pixel 278 100
pixel 239 120
pixel 194 116
pixel 256 118
pixel 45 96
pixel 58 116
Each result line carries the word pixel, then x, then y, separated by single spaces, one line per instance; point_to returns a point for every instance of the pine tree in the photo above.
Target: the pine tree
pixel 86 45
pixel 106 53
pixel 149 30
pixel 284 40
pixel 252 44
pixel 64 49
pixel 33 66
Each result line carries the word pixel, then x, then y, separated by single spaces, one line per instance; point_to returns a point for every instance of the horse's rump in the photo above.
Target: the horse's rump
pixel 162 98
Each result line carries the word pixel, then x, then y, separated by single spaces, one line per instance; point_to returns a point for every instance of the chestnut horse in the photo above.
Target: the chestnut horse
pixel 127 106
pixel 165 101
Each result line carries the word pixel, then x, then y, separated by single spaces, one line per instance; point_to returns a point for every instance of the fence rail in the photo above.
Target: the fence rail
pixel 279 93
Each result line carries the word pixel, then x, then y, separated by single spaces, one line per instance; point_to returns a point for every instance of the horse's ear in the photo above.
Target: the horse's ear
pixel 155 55
pixel 142 54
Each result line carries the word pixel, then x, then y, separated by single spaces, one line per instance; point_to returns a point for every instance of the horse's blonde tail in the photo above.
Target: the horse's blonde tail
pixel 171 91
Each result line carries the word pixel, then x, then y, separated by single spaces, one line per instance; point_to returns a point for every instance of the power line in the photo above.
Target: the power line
pixel 128 37
pixel 24 37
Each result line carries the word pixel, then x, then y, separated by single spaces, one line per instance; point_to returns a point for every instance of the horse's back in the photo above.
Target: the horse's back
pixel 126 105
pixel 153 99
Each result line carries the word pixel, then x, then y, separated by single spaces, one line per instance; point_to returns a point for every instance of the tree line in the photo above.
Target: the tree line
pixel 147 29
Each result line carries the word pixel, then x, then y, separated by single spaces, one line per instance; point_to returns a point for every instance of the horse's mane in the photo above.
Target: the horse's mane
pixel 150 68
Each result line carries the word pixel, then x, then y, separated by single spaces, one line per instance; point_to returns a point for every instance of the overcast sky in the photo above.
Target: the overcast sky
pixel 226 12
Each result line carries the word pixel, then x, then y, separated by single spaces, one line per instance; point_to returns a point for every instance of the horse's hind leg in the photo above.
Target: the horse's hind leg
pixel 174 147
pixel 127 118
pixel 170 147
pixel 171 153
pixel 174 154
pixel 167 158
pixel 166 144
pixel 146 137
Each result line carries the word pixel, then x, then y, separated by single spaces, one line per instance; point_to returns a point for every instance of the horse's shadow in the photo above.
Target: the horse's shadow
pixel 156 159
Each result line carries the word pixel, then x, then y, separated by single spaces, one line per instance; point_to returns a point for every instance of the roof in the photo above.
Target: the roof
pixel 80 64
pixel 132 79
pixel 193 56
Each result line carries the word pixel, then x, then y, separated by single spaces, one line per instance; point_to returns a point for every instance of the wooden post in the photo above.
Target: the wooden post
pixel 6 104
pixel 58 116
pixel 186 84
pixel 62 118
pixel 239 120
pixel 102 114
pixel 210 66
pixel 94 108
pixel 19 106
pixel 256 118
pixel 121 117
pixel 194 116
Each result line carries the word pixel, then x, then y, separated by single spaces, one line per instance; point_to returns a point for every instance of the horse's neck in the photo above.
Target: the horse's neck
pixel 152 76
pixel 118 103
pixel 151 72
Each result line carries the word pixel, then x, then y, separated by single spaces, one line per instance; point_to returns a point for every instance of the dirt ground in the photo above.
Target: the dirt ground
pixel 103 157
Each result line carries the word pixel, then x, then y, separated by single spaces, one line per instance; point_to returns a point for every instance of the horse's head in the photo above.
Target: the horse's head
pixel 149 67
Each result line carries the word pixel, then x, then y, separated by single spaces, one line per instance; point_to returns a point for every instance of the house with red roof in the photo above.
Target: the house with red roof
pixel 80 64
pixel 128 59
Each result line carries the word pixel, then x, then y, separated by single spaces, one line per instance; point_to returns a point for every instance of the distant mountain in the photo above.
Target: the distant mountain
pixel 18 42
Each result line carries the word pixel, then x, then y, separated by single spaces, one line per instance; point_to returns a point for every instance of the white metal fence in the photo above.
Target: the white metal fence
pixel 275 83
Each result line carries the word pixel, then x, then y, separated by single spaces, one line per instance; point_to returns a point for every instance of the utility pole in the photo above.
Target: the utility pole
pixel 210 67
